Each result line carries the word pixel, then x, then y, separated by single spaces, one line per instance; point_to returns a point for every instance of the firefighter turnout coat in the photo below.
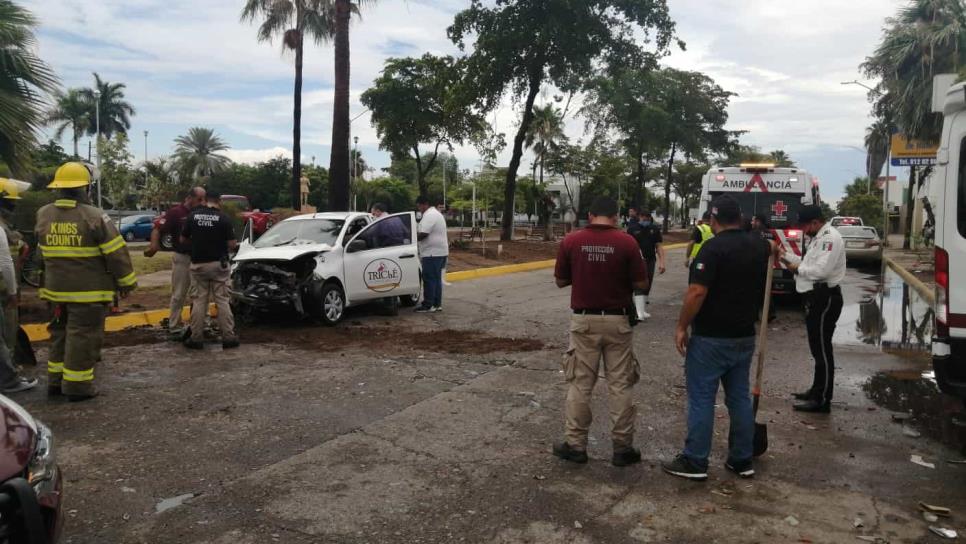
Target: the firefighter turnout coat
pixel 85 257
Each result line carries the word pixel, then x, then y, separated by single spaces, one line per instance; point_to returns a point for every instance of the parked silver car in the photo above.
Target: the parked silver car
pixel 861 243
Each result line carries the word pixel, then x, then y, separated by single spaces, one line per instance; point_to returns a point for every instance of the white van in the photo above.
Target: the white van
pixel 949 188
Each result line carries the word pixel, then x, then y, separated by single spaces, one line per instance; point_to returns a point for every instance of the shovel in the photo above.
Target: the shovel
pixel 760 444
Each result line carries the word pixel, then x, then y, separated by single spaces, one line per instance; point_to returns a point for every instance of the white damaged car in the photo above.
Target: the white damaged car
pixel 320 264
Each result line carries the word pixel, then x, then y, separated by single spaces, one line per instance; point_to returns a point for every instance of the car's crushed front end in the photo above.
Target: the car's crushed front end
pixel 264 286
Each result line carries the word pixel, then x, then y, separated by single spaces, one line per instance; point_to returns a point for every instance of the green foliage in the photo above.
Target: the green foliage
pixel 72 110
pixel 423 101
pixel 318 186
pixel 197 153
pixel 264 183
pixel 25 214
pixel 48 155
pixel 737 154
pixel 115 111
pixel 117 174
pixel 519 46
pixel 398 195
pixel 24 80
pixel 858 202
pixel 925 38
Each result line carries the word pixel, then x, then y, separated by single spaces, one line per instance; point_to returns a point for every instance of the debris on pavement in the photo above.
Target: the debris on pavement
pixel 858 523
pixel 910 432
pixel 918 460
pixel 944 532
pixel 578 525
pixel 938 510
pixel 873 539
pixel 792 520
pixel 173 502
pixel 930 517
pixel 956 461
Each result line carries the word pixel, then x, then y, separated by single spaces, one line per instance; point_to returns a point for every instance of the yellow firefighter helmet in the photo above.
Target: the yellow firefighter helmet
pixel 9 189
pixel 71 175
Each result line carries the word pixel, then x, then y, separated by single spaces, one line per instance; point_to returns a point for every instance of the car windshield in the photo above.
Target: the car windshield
pixel 131 219
pixel 857 232
pixel 302 231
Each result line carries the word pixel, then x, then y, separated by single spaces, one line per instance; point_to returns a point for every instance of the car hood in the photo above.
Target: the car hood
pixel 18 434
pixel 280 253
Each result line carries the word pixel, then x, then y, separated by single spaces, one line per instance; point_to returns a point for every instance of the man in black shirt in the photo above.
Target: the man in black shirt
pixel 649 238
pixel 721 306
pixel 211 236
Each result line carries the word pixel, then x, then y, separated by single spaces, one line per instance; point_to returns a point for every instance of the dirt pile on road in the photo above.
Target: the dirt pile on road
pixel 396 339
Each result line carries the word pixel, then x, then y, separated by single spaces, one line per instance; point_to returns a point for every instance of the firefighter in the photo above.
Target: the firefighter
pixel 701 234
pixel 86 263
pixel 818 276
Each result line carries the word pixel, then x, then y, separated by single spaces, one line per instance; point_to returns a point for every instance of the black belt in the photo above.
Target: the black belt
pixel 594 311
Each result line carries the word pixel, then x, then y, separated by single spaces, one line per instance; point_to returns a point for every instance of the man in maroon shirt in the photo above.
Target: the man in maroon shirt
pixel 604 265
pixel 171 224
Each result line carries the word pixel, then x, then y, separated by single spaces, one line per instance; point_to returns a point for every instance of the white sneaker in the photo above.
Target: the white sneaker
pixel 19 384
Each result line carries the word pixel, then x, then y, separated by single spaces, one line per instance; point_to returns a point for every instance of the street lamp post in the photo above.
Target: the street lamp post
pixel 355 171
pixel 97 130
pixel 145 158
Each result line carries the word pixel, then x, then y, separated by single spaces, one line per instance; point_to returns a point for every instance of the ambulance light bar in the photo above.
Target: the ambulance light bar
pixel 757 165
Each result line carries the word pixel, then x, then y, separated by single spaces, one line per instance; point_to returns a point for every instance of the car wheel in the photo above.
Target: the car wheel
pixel 409 301
pixel 333 304
pixel 129 236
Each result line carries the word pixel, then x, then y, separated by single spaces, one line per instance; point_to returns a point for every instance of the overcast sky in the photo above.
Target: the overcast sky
pixel 192 63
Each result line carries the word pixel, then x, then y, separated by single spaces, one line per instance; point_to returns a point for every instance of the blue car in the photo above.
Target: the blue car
pixel 136 227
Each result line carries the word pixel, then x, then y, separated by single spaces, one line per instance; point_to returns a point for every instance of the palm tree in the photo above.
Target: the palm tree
pixel 781 159
pixel 24 78
pixel 292 19
pixel 71 110
pixel 877 141
pixel 197 153
pixel 546 133
pixel 339 158
pixel 115 112
pixel 924 39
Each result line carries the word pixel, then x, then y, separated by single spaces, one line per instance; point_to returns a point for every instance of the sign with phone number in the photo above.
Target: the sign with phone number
pixel 913 161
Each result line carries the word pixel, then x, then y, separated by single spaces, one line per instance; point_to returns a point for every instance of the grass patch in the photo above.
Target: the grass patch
pixel 146 265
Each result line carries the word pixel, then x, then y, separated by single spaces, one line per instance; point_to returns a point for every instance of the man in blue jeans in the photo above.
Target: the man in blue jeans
pixel 433 251
pixel 721 306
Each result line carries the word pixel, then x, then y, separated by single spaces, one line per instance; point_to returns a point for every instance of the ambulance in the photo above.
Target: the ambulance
pixel 777 193
pixel 948 188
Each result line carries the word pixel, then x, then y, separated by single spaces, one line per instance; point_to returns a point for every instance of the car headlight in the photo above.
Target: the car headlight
pixel 43 463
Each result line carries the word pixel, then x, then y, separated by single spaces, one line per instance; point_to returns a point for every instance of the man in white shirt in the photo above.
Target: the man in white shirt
pixel 433 251
pixel 818 276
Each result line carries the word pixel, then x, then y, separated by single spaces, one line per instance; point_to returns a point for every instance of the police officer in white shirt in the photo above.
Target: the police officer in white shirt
pixel 433 252
pixel 818 276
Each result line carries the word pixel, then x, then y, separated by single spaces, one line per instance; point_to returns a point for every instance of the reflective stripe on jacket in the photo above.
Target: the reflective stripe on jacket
pixel 85 257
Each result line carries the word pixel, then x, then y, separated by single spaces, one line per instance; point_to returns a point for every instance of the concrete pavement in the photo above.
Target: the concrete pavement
pixel 397 441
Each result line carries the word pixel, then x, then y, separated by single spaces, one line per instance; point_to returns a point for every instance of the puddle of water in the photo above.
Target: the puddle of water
pixel 914 392
pixel 888 314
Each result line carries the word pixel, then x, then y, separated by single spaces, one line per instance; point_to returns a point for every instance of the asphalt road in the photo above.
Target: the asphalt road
pixel 392 439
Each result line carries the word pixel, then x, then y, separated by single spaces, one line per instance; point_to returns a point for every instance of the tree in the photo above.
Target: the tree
pixel 163 183
pixel 197 152
pixel 422 100
pixel 71 111
pixel 293 19
pixel 115 112
pixel 522 45
pixel 117 174
pixel 860 202
pixel 688 184
pixel 878 138
pixel 339 158
pixel 781 159
pixel 546 135
pixel 925 38
pixel 24 79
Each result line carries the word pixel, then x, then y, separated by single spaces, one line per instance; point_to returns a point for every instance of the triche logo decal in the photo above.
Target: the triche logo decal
pixel 382 275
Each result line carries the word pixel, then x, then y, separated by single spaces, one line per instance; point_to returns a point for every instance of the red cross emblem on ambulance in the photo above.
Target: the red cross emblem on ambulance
pixel 779 208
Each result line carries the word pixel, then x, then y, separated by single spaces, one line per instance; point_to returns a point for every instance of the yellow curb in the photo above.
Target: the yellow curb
pixel 676 246
pixel 924 290
pixel 38 331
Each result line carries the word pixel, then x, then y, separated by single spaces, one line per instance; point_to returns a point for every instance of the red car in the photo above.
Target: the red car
pixel 31 486
pixel 261 221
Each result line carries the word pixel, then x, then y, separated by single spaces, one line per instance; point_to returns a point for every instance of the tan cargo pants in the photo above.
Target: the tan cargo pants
pixel 211 278
pixel 76 336
pixel 180 282
pixel 592 338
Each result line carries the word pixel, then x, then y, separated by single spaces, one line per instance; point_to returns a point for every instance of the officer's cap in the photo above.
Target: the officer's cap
pixel 810 213
pixel 726 210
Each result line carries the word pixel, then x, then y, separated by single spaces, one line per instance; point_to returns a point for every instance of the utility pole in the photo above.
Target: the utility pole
pixel 97 129
pixel 145 158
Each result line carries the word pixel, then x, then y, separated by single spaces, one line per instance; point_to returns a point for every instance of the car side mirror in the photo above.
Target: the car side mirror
pixel 357 245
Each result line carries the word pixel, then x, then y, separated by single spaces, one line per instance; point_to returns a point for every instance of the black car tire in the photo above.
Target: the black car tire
pixel 408 301
pixel 333 304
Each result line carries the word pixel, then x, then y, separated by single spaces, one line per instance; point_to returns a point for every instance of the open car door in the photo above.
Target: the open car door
pixel 382 260
pixel 247 237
